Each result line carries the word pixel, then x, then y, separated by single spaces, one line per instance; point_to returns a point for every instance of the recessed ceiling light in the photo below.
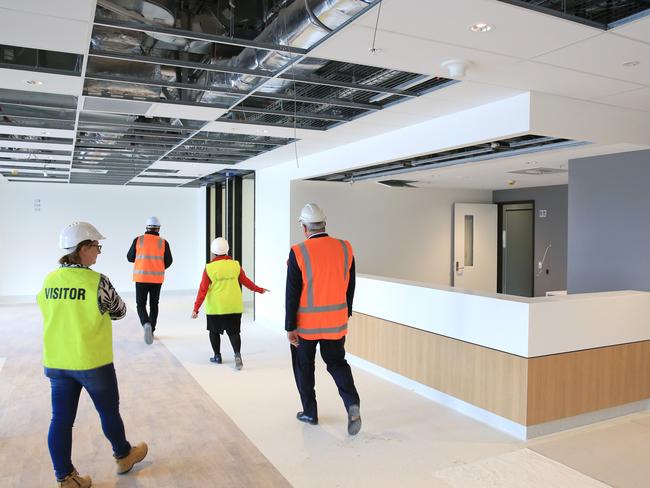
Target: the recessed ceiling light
pixel 45 133
pixel 631 64
pixel 482 27
pixel 34 82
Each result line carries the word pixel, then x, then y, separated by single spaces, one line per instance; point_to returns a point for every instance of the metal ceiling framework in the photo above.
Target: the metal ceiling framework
pixel 182 53
pixel 602 14
pixel 488 150
pixel 36 136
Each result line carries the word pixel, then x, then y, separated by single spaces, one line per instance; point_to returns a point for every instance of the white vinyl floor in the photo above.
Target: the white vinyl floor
pixel 406 440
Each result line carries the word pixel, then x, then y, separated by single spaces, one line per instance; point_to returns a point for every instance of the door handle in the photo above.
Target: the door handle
pixel 459 268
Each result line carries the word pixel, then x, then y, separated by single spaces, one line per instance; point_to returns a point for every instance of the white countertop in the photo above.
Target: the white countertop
pixel 527 327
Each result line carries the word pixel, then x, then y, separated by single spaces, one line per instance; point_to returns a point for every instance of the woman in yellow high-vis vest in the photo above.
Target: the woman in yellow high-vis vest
pixel 78 305
pixel 221 289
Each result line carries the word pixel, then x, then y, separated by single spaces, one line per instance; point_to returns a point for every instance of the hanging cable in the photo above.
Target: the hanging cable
pixel 373 49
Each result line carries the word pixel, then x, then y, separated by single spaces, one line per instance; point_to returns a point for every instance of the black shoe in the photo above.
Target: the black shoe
pixel 354 420
pixel 306 418
pixel 216 359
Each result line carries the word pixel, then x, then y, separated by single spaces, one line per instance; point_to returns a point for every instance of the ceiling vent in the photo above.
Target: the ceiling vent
pixel 398 183
pixel 485 151
pixel 538 171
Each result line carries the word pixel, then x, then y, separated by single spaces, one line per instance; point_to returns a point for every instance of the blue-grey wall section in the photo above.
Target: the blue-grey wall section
pixel 609 223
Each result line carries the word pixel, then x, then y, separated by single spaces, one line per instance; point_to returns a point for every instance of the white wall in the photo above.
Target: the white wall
pixel 29 238
pixel 401 233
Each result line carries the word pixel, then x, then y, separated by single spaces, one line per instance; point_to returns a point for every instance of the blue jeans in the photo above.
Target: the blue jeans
pixel 101 385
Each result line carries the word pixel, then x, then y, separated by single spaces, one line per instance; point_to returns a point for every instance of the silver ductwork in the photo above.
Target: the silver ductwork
pixel 294 26
pixel 300 24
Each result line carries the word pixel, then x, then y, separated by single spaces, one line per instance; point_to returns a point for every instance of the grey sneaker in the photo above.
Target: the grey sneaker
pixel 238 362
pixel 74 480
pixel 137 454
pixel 354 420
pixel 148 333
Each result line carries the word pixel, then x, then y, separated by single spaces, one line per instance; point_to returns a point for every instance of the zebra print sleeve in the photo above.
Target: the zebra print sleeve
pixel 109 301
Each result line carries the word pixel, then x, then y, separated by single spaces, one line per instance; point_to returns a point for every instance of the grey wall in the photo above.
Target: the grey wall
pixel 401 233
pixel 609 222
pixel 549 230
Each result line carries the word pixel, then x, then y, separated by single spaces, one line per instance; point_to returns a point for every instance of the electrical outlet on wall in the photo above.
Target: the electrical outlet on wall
pixel 541 213
pixel 37 205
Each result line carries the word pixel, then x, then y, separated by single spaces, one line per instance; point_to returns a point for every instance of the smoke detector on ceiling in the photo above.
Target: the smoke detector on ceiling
pixel 456 67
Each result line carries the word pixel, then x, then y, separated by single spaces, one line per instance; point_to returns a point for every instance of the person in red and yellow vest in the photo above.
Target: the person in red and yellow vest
pixel 221 288
pixel 151 256
pixel 78 306
pixel 319 294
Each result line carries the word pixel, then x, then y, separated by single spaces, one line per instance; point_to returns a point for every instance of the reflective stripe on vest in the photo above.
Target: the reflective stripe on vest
pixel 224 295
pixel 76 335
pixel 149 265
pixel 323 309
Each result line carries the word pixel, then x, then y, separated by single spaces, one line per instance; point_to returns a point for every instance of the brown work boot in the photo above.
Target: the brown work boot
pixel 74 480
pixel 137 454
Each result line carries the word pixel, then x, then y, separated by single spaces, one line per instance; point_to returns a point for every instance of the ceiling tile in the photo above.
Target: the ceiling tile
pixel 604 55
pixel 636 99
pixel 533 76
pixel 404 52
pixel 29 29
pixel 189 112
pixel 69 9
pixel 638 29
pixel 14 79
pixel 36 131
pixel 517 31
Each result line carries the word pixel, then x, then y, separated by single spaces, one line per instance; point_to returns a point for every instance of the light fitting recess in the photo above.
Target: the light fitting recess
pixel 34 82
pixel 631 64
pixel 481 27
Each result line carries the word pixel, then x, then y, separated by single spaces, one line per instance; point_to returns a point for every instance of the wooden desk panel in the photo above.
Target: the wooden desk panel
pixel 492 380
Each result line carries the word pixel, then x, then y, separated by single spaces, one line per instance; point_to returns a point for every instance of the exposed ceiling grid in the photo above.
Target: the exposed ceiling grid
pixel 171 85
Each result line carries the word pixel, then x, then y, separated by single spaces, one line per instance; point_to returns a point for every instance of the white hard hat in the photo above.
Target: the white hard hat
pixel 311 213
pixel 153 222
pixel 77 232
pixel 219 246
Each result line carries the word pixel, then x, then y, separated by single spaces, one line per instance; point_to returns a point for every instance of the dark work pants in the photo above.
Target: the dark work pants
pixel 141 292
pixel 333 353
pixel 101 385
pixel 215 341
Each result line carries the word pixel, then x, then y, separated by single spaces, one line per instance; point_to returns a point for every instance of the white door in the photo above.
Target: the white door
pixel 475 246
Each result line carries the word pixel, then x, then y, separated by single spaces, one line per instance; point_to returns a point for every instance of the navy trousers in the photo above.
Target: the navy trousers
pixel 101 385
pixel 333 354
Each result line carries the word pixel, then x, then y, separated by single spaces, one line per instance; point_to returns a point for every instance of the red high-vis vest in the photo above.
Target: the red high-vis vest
pixel 149 265
pixel 325 266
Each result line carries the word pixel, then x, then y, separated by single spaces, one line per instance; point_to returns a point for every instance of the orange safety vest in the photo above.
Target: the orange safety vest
pixel 325 266
pixel 149 265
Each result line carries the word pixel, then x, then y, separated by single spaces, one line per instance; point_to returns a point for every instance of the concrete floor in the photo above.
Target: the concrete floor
pixel 237 428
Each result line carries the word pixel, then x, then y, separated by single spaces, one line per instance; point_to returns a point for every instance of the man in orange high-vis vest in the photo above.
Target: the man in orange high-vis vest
pixel 151 256
pixel 319 294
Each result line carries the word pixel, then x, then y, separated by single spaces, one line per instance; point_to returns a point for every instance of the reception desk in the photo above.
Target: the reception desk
pixel 530 366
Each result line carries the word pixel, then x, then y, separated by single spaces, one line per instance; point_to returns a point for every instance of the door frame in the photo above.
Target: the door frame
pixel 500 243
